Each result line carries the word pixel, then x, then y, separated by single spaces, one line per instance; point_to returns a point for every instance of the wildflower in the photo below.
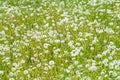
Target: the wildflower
pixel 99 30
pixel 1 72
pixel 67 70
pixel 11 74
pixel 25 71
pixel 78 72
pixel 38 65
pixel 111 65
pixel 100 78
pixel 93 68
pixel 86 78
pixel 75 62
pixel 112 73
pixel 70 44
pixel 109 30
pixel 99 56
pixel 11 79
pixel 46 45
pixel 22 61
pixel 95 40
pixel 67 78
pixel 46 68
pixel 0 15
pixel 91 48
pixel 51 62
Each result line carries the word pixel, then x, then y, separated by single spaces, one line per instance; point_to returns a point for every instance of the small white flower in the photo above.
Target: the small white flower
pixel 112 73
pixel 70 44
pixel 109 30
pixel 22 61
pixel 85 78
pixel 51 62
pixel 46 68
pixel 100 78
pixel 99 30
pixel 35 55
pixel 1 72
pixel 87 65
pixel 0 15
pixel 67 70
pixel 67 78
pixel 99 56
pixel 78 72
pixel 57 41
pixel 76 62
pixel 93 68
pixel 25 71
pixel 91 48
pixel 95 40
pixel 111 65
pixel 105 62
pixel 11 74
pixel 38 65
pixel 111 23
pixel 46 45
pixel 11 79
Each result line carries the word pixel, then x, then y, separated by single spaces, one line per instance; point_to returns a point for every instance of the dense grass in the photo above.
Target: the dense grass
pixel 59 40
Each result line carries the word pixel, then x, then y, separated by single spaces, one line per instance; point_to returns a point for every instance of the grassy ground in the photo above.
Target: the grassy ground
pixel 60 40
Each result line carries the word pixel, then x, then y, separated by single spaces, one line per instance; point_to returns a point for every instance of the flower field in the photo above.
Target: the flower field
pixel 59 39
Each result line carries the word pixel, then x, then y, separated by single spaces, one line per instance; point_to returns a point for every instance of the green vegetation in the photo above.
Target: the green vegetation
pixel 59 39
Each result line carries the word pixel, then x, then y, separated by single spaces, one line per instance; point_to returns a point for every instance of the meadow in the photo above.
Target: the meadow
pixel 59 39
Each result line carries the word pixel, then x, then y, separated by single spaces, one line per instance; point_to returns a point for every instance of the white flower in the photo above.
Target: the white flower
pixel 25 71
pixel 111 65
pixel 99 30
pixel 117 67
pixel 38 65
pixel 76 51
pixel 110 58
pixel 112 73
pixel 11 74
pixel 111 23
pixel 93 68
pixel 0 15
pixel 95 40
pixel 51 62
pixel 91 48
pixel 22 61
pixel 70 44
pixel 35 55
pixel 78 73
pixel 2 32
pixel 67 78
pixel 75 62
pixel 11 79
pixel 105 62
pixel 1 72
pixel 103 72
pixel 46 45
pixel 56 41
pixel 46 68
pixel 85 78
pixel 87 65
pixel 99 56
pixel 100 78
pixel 67 70
pixel 109 30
